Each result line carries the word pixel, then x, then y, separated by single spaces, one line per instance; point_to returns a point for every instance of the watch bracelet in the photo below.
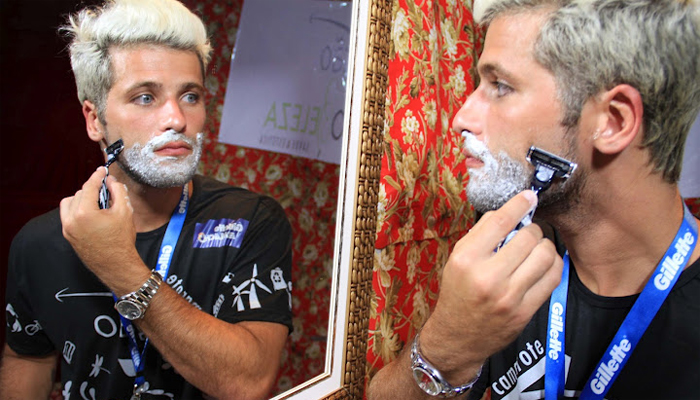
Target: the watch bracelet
pixel 448 391
pixel 145 293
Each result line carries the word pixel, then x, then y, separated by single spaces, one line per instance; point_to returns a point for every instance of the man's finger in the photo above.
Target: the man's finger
pixel 540 291
pixel 91 188
pixel 494 226
pixel 119 193
pixel 519 249
pixel 539 259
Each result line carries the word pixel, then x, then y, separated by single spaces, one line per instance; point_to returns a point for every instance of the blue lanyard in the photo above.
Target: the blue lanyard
pixel 172 234
pixel 633 327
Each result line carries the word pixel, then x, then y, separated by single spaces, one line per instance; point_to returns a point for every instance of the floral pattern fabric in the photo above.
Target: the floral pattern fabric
pixel 422 208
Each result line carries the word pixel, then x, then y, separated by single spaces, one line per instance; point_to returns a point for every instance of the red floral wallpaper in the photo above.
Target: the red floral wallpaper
pixel 422 207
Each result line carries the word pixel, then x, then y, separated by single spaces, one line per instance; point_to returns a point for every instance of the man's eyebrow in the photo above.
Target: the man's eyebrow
pixel 192 86
pixel 157 86
pixel 494 69
pixel 145 85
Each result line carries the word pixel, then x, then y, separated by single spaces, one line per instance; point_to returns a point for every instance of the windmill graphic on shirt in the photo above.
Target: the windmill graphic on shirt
pixel 249 288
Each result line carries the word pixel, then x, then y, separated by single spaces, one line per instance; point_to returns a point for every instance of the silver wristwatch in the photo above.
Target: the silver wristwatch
pixel 430 380
pixel 134 305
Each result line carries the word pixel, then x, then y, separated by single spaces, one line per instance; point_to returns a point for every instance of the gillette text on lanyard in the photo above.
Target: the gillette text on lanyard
pixel 547 168
pixel 633 326
pixel 165 256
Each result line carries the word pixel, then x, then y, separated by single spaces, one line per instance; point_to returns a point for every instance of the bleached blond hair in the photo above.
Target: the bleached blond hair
pixel 593 45
pixel 122 23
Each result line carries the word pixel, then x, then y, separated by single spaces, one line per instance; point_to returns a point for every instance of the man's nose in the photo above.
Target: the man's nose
pixel 469 116
pixel 173 117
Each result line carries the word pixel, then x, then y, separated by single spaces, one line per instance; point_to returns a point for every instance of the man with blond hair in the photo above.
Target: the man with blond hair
pixel 175 286
pixel 611 85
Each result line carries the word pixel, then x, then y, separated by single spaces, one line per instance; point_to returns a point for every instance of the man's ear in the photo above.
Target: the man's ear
pixel 94 127
pixel 621 119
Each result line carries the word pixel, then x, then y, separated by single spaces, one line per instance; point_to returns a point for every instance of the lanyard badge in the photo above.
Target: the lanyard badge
pixel 167 247
pixel 633 327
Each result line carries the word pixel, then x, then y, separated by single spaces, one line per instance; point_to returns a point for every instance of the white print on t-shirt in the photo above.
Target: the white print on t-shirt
pixel 127 365
pixel 176 285
pixel 278 283
pixel 252 293
pixel 229 276
pixel 97 366
pixel 16 326
pixel 514 383
pixel 33 328
pixel 68 351
pixel 66 390
pixel 83 386
pixel 60 295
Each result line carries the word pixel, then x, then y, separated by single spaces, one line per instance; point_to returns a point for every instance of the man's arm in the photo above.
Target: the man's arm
pixel 485 300
pixel 224 360
pixel 23 377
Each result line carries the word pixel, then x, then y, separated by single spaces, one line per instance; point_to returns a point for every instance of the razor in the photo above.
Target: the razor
pixel 112 151
pixel 548 167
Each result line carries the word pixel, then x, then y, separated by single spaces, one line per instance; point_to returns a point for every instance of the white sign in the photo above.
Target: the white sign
pixel 286 86
pixel 690 174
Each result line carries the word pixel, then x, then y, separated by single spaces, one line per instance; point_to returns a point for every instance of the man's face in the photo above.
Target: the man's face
pixel 156 106
pixel 514 107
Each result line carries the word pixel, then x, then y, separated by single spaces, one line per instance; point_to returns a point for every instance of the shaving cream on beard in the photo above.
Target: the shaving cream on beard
pixel 142 164
pixel 497 181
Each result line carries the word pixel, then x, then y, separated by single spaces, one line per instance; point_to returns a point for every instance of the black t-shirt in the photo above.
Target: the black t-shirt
pixel 664 365
pixel 233 260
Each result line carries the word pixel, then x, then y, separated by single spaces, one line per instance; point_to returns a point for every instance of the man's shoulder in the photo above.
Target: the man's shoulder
pixel 39 234
pixel 211 192
pixel 44 226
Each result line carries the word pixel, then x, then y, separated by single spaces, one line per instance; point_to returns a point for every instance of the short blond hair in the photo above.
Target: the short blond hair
pixel 593 45
pixel 121 23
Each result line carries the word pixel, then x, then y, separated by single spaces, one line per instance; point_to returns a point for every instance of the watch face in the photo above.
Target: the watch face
pixel 128 309
pixel 426 381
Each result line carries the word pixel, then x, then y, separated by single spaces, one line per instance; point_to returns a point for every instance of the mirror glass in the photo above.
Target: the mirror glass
pixel 288 118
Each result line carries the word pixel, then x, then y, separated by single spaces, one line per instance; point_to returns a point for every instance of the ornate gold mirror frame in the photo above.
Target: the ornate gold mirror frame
pixel 344 375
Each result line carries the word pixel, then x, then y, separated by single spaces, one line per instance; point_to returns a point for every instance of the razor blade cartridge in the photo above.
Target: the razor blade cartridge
pixel 547 167
pixel 112 151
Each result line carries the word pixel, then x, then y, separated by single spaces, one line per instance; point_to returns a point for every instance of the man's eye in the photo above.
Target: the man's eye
pixel 144 99
pixel 191 97
pixel 501 88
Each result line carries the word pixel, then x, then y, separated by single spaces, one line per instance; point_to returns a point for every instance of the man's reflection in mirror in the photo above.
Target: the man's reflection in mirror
pixel 180 288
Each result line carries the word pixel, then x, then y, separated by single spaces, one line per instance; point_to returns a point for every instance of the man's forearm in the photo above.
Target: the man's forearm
pixel 224 360
pixel 24 378
pixel 395 381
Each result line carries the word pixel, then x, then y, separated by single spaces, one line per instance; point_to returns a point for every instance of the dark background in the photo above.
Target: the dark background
pixel 45 153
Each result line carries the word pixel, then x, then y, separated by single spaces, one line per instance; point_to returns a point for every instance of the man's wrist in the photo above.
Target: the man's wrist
pixel 431 380
pixel 456 360
pixel 134 305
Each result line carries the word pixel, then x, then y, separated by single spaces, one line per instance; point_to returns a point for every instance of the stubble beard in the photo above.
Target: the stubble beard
pixel 497 181
pixel 143 166
pixel 502 177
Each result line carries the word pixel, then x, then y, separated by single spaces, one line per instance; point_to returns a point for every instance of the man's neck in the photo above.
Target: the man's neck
pixel 617 244
pixel 153 207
